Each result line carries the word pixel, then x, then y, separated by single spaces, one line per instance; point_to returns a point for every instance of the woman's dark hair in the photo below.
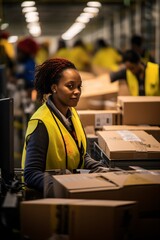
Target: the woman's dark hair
pixel 131 56
pixel 49 73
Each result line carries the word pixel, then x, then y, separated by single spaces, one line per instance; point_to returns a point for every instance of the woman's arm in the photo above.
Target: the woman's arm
pixel 118 75
pixel 36 158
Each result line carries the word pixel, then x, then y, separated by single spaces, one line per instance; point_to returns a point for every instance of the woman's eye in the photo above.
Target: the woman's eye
pixel 70 86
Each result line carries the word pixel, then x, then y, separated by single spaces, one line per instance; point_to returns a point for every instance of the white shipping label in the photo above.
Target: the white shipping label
pixel 103 119
pixel 128 136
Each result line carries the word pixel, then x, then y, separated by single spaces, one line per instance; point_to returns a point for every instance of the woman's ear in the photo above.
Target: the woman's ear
pixel 54 88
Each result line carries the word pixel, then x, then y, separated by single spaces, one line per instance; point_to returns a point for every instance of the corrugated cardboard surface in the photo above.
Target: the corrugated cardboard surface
pixel 95 91
pixel 76 219
pixel 153 130
pixel 98 118
pixel 143 187
pixel 124 144
pixel 139 109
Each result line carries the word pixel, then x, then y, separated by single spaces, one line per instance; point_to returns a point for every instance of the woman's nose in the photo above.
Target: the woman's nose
pixel 77 91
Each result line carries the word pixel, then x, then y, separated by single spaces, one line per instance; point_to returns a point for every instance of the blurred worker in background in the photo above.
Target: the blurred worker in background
pixel 8 47
pixel 142 79
pixel 7 55
pixel 105 58
pixel 42 53
pixel 24 76
pixel 62 50
pixel 137 44
pixel 55 140
pixel 80 56
pixel 25 61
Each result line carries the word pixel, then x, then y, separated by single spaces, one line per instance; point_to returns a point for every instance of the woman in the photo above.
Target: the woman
pixel 55 139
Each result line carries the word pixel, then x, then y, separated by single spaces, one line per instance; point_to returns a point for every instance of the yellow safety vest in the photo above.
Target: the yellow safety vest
pixel 62 149
pixel 152 83
pixel 107 58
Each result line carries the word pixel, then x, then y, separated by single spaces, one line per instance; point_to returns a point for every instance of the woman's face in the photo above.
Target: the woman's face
pixel 68 90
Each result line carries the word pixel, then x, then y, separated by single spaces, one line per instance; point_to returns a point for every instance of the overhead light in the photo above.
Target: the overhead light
pixel 94 4
pixel 31 14
pixel 87 15
pixel 32 24
pixel 73 31
pixel 82 19
pixel 29 9
pixel 91 10
pixel 28 4
pixel 4 26
pixel 12 39
pixel 32 19
pixel 35 30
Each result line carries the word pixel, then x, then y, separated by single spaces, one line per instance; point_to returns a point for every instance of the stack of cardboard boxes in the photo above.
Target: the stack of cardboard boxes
pixel 113 205
pixel 119 204
pixel 141 114
pixel 94 120
pixel 140 186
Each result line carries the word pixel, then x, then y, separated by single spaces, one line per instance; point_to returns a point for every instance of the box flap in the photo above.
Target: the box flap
pixel 133 178
pixel 84 181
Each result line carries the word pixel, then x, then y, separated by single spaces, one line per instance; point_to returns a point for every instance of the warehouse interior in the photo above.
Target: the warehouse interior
pixel 121 198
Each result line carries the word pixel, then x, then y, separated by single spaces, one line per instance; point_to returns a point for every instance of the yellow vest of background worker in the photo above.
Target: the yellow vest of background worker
pixel 152 83
pixel 107 58
pixel 8 48
pixel 62 53
pixel 63 152
pixel 81 59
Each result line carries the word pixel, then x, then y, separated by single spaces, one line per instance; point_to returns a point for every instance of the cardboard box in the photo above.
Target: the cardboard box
pixel 98 118
pixel 95 219
pixel 139 110
pixel 143 187
pixel 99 86
pixel 153 130
pixel 128 145
pixel 123 88
pixel 90 103
pixel 95 91
pixel 72 219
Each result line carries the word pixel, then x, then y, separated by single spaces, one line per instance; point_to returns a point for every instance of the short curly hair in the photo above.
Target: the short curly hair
pixel 49 73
